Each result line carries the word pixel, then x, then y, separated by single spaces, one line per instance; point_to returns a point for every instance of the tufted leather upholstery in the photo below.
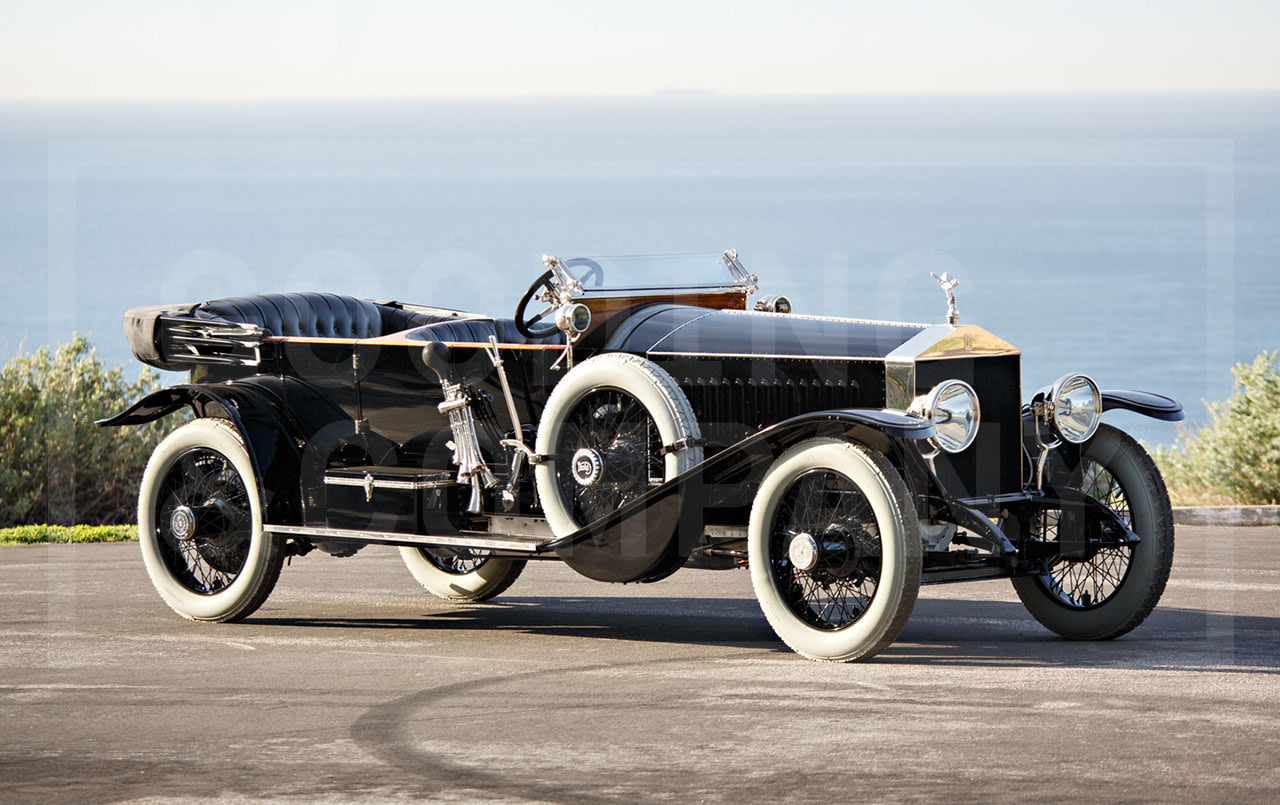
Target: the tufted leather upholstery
pixel 477 331
pixel 315 315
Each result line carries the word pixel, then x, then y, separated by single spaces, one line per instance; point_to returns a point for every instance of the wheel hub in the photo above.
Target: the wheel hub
pixel 844 547
pixel 182 522
pixel 587 466
pixel 803 552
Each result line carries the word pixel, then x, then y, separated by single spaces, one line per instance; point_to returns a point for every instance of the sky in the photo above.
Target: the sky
pixel 261 49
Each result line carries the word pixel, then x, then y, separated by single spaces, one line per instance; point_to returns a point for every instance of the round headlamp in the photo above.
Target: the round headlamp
pixel 774 304
pixel 952 406
pixel 573 318
pixel 1074 408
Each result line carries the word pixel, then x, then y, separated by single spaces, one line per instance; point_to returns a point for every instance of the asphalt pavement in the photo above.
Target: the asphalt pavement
pixel 354 685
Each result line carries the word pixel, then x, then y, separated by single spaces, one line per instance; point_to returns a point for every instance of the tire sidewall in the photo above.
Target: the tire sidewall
pixel 881 622
pixel 1120 458
pixel 640 378
pixel 491 578
pixel 223 605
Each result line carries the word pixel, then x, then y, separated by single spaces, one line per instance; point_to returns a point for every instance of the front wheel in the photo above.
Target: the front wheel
pixel 200 525
pixel 1114 588
pixel 835 551
pixel 462 575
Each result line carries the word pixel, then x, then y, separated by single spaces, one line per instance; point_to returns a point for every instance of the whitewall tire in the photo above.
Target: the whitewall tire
pixel 463 575
pixel 834 549
pixel 603 431
pixel 200 525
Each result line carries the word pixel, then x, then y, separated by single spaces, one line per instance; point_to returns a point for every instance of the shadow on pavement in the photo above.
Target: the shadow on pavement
pixel 940 632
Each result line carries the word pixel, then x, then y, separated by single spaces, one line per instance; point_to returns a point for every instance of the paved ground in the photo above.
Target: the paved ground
pixel 353 685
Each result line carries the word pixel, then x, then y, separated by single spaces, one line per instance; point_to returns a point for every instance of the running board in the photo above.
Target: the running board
pixel 479 541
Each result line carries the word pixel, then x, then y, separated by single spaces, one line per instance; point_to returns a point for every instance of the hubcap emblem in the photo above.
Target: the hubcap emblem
pixel 803 552
pixel 182 522
pixel 587 466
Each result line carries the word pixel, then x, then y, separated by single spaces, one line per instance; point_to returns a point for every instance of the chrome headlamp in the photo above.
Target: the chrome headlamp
pixel 1073 408
pixel 573 318
pixel 774 304
pixel 953 408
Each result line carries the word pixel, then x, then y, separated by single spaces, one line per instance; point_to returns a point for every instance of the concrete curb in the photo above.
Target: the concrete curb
pixel 1226 515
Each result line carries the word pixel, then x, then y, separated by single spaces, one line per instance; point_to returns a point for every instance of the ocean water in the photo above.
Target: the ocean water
pixel 1133 237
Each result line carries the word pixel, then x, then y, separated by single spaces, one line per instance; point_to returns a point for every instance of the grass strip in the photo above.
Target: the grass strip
pixel 42 534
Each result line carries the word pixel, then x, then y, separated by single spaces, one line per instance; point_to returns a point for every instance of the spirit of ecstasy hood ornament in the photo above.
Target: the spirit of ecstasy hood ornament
pixel 949 284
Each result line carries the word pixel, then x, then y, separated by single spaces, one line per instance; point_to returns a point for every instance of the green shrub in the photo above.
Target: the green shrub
pixel 1235 459
pixel 39 534
pixel 56 466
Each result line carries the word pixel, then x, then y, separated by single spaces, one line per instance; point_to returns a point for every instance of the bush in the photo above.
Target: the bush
pixel 56 466
pixel 1235 459
pixel 40 534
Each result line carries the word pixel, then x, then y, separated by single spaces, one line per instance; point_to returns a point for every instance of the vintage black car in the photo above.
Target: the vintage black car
pixel 636 417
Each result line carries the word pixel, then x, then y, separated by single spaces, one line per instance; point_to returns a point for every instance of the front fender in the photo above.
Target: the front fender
pixel 1156 406
pixel 257 414
pixel 651 537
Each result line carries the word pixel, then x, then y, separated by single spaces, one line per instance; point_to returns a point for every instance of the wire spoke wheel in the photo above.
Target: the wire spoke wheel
pixel 1091 582
pixel 200 525
pixel 609 453
pixel 834 549
pixel 204 521
pixel 827 508
pixel 460 563
pixel 1101 591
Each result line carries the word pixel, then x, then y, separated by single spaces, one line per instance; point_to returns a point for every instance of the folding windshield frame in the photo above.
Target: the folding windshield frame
pixel 738 279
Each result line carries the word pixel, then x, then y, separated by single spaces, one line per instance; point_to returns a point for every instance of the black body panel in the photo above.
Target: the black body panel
pixel 400 500
pixel 680 330
pixel 733 397
pixel 993 463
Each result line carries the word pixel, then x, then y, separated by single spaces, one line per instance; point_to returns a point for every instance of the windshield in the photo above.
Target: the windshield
pixel 660 271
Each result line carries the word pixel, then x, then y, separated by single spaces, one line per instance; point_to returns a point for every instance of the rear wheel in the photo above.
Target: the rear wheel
pixel 835 551
pixel 462 575
pixel 1113 589
pixel 200 525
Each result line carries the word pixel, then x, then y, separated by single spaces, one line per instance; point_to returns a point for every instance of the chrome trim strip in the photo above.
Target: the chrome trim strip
pixel 666 290
pixel 876 358
pixel 724 532
pixel 521 526
pixel 387 483
pixel 812 317
pixel 499 542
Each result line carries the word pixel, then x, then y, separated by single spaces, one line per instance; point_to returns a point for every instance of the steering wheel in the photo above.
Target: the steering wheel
pixel 530 326
pixel 533 326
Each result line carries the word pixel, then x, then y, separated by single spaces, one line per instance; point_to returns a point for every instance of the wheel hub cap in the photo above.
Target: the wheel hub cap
pixel 803 552
pixel 588 466
pixel 182 522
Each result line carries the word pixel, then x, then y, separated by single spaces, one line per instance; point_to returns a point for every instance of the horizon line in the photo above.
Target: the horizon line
pixel 658 95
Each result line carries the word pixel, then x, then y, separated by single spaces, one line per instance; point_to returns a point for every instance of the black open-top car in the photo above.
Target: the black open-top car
pixel 636 417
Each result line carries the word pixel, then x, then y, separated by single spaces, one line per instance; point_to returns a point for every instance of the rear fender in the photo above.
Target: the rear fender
pixel 257 415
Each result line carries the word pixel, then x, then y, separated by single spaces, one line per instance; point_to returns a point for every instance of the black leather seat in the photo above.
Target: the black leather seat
pixel 477 331
pixel 315 315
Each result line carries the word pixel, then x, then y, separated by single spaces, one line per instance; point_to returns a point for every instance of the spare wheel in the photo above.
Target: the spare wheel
pixel 616 426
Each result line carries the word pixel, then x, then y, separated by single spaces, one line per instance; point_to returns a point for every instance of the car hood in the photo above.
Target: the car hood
pixel 684 330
